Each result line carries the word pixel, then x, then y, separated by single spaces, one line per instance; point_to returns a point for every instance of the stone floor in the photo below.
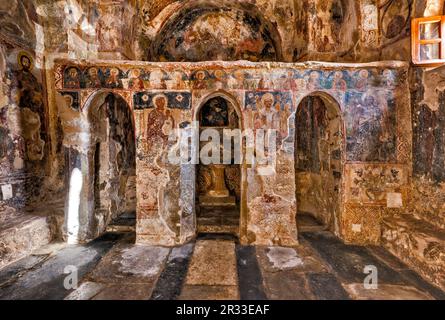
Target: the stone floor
pixel 213 267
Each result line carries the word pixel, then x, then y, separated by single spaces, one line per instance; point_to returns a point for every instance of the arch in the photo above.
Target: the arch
pixel 225 95
pixel 98 97
pixel 333 105
pixel 333 102
pixel 177 14
pixel 325 96
pixel 108 159
pixel 95 97
pixel 242 213
pixel 329 100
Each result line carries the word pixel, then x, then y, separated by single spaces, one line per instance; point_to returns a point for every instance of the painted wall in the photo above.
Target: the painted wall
pixel 99 143
pixel 268 203
pixel 415 234
pixel 114 160
pixel 23 128
pixel 158 30
pixel 23 107
pixel 428 112
pixel 24 136
pixel 206 34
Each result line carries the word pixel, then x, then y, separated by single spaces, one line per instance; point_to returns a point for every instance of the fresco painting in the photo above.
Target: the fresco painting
pixel 361 101
pixel 371 127
pixel 366 110
pixel 92 91
pixel 30 99
pixel 269 110
pixel 200 33
pixel 215 113
pixel 311 125
pixel 71 98
pixel 174 99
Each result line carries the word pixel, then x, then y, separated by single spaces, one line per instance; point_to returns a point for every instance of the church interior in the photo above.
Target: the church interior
pixel 333 187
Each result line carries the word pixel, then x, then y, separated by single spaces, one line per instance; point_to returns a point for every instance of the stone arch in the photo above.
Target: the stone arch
pixel 178 17
pixel 105 166
pixel 99 95
pixel 225 95
pixel 329 176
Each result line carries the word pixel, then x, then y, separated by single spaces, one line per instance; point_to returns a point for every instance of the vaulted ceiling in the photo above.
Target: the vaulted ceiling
pixel 198 30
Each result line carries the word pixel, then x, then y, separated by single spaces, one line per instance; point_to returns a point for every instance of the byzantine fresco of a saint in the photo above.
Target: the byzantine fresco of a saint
pixel 29 97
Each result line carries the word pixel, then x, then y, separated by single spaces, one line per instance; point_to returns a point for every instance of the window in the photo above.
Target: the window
pixel 428 40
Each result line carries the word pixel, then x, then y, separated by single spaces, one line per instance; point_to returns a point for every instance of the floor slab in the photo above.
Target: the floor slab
pixel 249 274
pixel 196 292
pixel 47 281
pixel 386 292
pixel 348 261
pixel 125 292
pixel 213 263
pixel 131 264
pixel 325 286
pixel 86 291
pixel 301 259
pixel 215 267
pixel 287 285
pixel 172 278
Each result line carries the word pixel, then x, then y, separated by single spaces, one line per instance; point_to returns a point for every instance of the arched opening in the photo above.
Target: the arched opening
pixel 318 163
pixel 218 175
pixel 112 163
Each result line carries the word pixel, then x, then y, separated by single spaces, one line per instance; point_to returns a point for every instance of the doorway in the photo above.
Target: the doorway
pixel 114 164
pixel 219 182
pixel 318 163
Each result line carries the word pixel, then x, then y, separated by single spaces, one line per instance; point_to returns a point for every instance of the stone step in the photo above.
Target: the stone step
pixel 218 219
pixel 126 222
pixel 20 235
pixel 120 228
pixel 209 228
pixel 307 223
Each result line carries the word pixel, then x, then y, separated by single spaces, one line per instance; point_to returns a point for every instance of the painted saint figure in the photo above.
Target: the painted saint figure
pixel 215 113
pixel 29 98
pixel 339 83
pixel 72 78
pixel 157 80
pixel 155 122
pixel 113 80
pixel 362 81
pixel 313 81
pixel 135 82
pixel 92 79
pixel 200 81
pixel 268 112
